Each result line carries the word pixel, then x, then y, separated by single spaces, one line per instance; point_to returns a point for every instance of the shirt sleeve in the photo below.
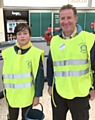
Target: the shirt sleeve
pixel 92 52
pixel 50 71
pixel 1 93
pixel 39 82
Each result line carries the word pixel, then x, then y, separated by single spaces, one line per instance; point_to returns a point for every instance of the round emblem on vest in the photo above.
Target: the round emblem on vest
pixel 83 48
pixel 29 64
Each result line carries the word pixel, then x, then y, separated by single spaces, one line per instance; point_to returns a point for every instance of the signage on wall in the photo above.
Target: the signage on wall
pixel 16 13
pixel 45 3
pixel 77 1
pixel 56 17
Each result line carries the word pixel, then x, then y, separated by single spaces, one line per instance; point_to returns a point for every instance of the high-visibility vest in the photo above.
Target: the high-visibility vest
pixel 72 66
pixel 19 73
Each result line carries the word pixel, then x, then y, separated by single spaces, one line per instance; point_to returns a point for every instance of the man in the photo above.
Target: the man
pixel 70 67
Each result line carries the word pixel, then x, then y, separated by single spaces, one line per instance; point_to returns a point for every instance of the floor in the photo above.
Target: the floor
pixel 45 100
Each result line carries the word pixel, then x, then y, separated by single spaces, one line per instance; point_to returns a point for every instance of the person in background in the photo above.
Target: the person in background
pixel 70 67
pixel 47 36
pixel 23 75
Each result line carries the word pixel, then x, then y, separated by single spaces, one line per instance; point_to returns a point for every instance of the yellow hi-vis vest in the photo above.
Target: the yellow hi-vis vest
pixel 19 73
pixel 72 66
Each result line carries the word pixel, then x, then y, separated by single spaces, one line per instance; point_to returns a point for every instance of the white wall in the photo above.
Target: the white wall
pixel 2 36
pixel 45 3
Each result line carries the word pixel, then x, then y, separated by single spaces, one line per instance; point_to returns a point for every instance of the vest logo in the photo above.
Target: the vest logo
pixel 83 48
pixel 29 64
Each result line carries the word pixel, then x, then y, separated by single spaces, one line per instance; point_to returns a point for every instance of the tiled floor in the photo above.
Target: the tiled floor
pixel 45 100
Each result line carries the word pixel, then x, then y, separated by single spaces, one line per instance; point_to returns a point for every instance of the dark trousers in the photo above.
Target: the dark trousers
pixel 1 95
pixel 79 107
pixel 14 113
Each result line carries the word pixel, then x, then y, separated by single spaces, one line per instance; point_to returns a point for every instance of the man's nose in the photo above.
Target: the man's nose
pixel 65 20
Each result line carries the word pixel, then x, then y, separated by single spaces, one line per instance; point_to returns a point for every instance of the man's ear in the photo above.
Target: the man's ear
pixel 76 19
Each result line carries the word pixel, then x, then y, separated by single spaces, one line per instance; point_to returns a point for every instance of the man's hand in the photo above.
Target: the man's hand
pixel 36 101
pixel 50 90
pixel 92 94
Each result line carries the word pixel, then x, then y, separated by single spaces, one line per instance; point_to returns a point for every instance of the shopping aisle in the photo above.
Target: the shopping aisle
pixel 45 100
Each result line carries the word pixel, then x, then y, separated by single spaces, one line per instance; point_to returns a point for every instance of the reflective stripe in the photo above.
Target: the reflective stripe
pixel 72 73
pixel 70 62
pixel 15 86
pixel 17 76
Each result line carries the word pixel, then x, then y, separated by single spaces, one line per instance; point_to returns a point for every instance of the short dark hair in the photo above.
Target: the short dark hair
pixel 22 26
pixel 69 6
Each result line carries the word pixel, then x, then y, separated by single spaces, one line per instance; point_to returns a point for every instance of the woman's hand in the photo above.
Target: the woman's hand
pixel 36 101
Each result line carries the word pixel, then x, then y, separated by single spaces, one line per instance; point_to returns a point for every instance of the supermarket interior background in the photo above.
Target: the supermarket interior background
pixel 40 15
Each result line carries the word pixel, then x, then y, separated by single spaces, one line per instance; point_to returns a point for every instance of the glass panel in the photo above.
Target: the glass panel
pixel 90 17
pixel 35 24
pixel 45 22
pixel 81 18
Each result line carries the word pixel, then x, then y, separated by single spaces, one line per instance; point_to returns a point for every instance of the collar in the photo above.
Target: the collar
pixel 29 44
pixel 72 35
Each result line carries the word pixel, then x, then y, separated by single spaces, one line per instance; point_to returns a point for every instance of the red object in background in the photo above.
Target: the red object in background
pixel 92 24
pixel 47 37
pixel 49 29
pixel 56 28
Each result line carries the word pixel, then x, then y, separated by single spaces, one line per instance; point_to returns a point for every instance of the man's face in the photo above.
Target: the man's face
pixel 67 21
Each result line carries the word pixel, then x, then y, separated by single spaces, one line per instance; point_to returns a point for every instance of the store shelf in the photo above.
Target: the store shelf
pixel 16 22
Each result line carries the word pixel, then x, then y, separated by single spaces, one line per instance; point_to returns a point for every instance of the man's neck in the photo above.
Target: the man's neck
pixel 69 34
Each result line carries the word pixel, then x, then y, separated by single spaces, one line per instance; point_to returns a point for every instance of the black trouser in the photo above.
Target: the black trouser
pixel 1 95
pixel 79 107
pixel 14 113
